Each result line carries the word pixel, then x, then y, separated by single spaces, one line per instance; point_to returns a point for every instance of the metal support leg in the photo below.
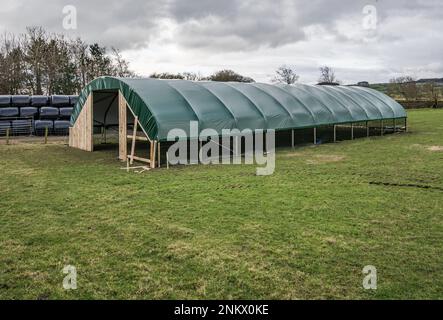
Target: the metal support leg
pixel 382 127
pixel 335 133
pixel 293 138
pixel 352 131
pixel 315 135
pixel 367 129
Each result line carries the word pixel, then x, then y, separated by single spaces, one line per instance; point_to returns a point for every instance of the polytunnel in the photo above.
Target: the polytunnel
pixel 156 107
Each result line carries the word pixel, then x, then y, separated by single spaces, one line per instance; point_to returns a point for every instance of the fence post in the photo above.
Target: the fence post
pixel 7 135
pixel 46 135
pixel 315 135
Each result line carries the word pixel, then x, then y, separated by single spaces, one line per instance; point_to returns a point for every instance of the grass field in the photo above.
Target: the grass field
pixel 206 232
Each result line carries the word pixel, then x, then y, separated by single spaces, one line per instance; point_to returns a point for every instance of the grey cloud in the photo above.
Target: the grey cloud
pixel 232 26
pixel 123 23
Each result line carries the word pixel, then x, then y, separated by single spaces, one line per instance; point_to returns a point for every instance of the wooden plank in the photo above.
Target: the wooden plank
pixel 134 135
pixel 153 154
pixel 81 134
pixel 140 159
pixel 122 127
pixel 138 138
pixel 88 135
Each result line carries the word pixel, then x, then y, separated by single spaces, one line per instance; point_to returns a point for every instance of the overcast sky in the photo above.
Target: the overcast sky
pixel 254 37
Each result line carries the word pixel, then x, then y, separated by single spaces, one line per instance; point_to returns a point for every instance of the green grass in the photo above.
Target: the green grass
pixel 210 232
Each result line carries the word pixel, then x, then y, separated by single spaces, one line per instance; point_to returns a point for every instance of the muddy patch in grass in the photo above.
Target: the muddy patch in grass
pixel 429 148
pixel 325 158
pixel 435 148
pixel 292 154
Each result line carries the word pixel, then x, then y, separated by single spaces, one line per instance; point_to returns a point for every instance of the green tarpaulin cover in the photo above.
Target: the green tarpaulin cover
pixel 162 105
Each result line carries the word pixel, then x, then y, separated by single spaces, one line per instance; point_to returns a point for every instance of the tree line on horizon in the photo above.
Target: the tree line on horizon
pixel 37 62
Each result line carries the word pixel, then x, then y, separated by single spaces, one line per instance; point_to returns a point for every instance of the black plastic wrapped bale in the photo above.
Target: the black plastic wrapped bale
pixel 39 101
pixel 22 127
pixel 65 113
pixel 73 100
pixel 49 113
pixel 41 125
pixel 8 112
pixel 4 126
pixel 61 127
pixel 5 101
pixel 21 101
pixel 28 112
pixel 59 101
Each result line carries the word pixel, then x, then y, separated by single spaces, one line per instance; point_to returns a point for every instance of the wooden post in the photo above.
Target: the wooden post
pixel 134 136
pixel 352 131
pixel 167 160
pixel 367 129
pixel 7 135
pixel 382 127
pixel 293 138
pixel 122 128
pixel 159 155
pixel 46 135
pixel 335 133
pixel 151 148
pixel 315 135
pixel 154 143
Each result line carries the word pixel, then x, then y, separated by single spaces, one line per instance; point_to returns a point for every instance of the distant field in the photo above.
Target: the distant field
pixel 423 100
pixel 217 231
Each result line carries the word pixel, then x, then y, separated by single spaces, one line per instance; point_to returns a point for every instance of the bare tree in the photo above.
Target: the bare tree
pixel 35 56
pixel 192 76
pixel 229 75
pixel 13 71
pixel 79 53
pixel 121 66
pixel 432 93
pixel 404 86
pixel 166 75
pixel 327 75
pixel 285 74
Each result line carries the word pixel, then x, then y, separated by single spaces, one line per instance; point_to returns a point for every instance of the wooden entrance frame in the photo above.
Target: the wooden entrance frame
pixel 123 136
pixel 82 133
